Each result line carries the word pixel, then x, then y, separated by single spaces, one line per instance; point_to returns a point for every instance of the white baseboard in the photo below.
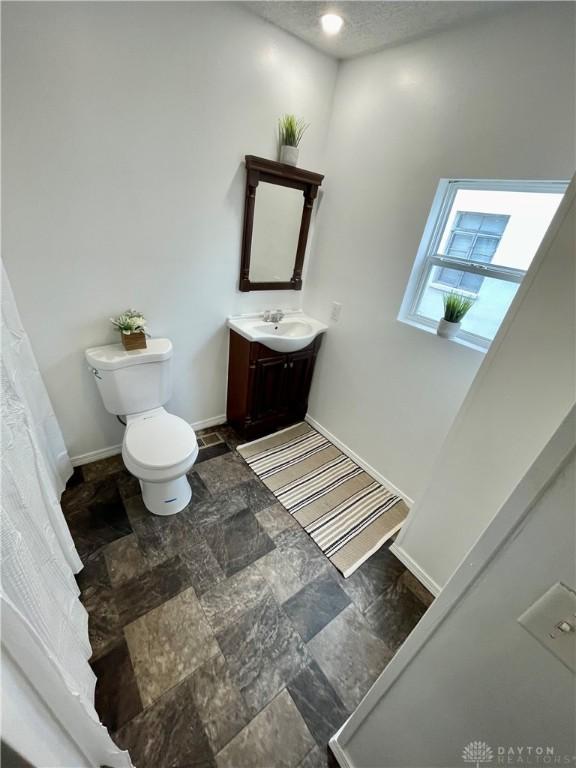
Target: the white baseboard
pixel 338 752
pixel 358 459
pixel 114 450
pixel 415 569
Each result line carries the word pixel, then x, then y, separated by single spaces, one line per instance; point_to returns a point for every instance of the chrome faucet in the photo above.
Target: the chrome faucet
pixel 273 315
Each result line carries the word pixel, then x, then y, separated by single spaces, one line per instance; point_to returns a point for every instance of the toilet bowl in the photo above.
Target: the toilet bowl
pixel 159 449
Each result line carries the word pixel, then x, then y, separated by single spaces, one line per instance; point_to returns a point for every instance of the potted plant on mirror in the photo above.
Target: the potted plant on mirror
pixel 132 327
pixel 290 132
pixel 455 307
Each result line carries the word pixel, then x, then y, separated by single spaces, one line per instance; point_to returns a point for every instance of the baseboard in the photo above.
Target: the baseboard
pixel 415 569
pixel 358 459
pixel 114 450
pixel 339 755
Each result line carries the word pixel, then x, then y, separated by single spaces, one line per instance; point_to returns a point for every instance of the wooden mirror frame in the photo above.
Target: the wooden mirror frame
pixel 259 169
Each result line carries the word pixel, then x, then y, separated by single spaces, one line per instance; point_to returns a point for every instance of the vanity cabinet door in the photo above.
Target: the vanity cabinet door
pixel 269 387
pixel 297 382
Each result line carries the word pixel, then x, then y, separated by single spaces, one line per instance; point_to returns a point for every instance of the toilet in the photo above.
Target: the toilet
pixel 158 448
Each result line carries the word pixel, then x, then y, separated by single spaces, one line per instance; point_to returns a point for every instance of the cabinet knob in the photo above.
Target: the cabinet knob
pixel 291 365
pixel 285 365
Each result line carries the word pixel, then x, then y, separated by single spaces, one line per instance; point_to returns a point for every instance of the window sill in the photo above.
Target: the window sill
pixel 432 330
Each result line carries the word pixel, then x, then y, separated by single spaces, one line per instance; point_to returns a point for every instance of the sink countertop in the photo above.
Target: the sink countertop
pixel 300 330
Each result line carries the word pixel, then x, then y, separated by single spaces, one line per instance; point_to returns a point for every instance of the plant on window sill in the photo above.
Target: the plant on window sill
pixel 455 308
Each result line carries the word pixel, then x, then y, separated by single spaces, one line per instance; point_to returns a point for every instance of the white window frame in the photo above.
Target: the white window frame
pixel 428 257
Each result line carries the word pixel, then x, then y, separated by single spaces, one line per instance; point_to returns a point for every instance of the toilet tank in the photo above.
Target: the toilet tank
pixel 135 381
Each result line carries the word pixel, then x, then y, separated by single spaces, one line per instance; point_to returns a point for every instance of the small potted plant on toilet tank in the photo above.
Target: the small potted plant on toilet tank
pixel 455 307
pixel 132 327
pixel 290 132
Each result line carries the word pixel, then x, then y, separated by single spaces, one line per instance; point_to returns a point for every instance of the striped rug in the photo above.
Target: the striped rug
pixel 347 513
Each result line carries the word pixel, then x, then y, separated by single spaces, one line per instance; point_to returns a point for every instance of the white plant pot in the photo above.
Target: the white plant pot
pixel 447 330
pixel 289 155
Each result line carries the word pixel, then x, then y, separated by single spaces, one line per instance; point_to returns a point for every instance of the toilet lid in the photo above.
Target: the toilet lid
pixel 159 441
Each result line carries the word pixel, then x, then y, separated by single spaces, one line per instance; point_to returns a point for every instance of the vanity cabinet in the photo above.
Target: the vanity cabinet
pixel 267 390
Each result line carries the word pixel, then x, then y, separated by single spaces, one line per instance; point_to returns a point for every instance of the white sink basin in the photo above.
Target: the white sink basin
pixel 295 331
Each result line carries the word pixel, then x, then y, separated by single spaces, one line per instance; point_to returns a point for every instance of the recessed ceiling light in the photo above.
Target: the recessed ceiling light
pixel 331 23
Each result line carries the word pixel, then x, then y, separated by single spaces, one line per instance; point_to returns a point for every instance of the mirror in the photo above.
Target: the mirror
pixel 278 209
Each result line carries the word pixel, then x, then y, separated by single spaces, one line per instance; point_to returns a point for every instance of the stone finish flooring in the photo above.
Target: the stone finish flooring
pixel 221 635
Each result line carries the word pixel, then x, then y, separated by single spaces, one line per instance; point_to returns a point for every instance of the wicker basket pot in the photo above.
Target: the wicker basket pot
pixel 134 340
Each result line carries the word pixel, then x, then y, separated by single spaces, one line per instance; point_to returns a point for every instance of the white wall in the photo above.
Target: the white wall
pixel 492 99
pixel 124 130
pixel 523 390
pixel 469 671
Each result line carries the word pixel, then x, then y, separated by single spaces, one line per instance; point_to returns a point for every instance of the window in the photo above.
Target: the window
pixel 479 241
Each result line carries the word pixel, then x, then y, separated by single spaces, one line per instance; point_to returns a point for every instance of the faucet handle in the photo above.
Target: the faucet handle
pixel 266 315
pixel 279 314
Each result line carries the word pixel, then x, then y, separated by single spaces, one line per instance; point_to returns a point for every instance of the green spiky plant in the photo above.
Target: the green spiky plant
pixel 455 306
pixel 290 130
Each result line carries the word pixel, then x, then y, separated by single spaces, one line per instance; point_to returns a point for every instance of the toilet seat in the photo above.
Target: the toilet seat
pixel 159 441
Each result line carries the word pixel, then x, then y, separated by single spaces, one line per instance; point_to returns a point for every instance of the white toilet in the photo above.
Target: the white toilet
pixel 158 448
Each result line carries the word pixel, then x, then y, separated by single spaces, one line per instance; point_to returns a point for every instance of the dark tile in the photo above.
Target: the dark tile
pixel 168 734
pixel 204 569
pixel 128 485
pixel 394 614
pixel 410 581
pixel 255 494
pixel 381 571
pixel 230 436
pixel 226 602
pixel 218 702
pixel 94 573
pixel 276 738
pixel 95 514
pixel 211 452
pixel 237 542
pixel 104 628
pixel 215 509
pixel 315 605
pixel 136 597
pixel 161 539
pixel 263 652
pixel 199 489
pixel 224 472
pixel 96 470
pixel 76 478
pixel 117 695
pixel 318 703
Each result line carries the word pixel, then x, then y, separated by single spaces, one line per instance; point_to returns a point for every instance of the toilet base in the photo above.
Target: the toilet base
pixel 166 498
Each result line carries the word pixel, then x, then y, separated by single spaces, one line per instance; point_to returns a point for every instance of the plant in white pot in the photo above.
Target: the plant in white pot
pixel 290 132
pixel 455 307
pixel 132 326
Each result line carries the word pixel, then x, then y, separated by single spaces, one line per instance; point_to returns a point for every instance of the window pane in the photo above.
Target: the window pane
pixel 484 248
pixel 518 219
pixel 492 302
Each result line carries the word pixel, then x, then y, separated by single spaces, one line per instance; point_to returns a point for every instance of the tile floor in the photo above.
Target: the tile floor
pixel 222 636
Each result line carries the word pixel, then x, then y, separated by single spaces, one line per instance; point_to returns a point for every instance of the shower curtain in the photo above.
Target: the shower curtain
pixel 48 685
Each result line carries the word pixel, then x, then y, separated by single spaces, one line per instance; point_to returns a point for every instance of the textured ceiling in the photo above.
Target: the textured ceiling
pixel 370 26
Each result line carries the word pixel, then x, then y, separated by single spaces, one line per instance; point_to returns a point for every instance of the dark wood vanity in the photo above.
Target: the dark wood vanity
pixel 267 390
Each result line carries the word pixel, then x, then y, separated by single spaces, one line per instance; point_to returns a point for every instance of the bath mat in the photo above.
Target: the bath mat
pixel 346 512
